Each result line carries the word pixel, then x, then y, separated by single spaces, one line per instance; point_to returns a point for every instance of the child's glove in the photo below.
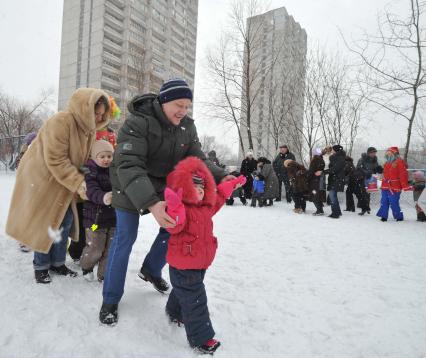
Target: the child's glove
pixel 107 198
pixel 174 203
pixel 228 187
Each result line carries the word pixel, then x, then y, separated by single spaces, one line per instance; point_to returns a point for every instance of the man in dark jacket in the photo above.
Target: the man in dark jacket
pixel 248 167
pixel 369 165
pixel 154 138
pixel 281 172
pixel 336 179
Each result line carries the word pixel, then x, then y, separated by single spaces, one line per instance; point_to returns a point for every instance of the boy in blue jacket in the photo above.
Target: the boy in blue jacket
pixel 258 190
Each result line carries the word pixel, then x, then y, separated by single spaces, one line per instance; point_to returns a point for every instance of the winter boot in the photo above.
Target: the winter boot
pixel 421 216
pixel 209 347
pixel 108 314
pixel 63 271
pixel 88 275
pixel 363 212
pixel 383 220
pixel 334 216
pixel 318 213
pixel 350 210
pixel 159 284
pixel 42 276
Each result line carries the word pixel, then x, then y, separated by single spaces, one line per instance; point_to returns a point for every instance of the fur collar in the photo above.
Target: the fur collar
pixel 181 177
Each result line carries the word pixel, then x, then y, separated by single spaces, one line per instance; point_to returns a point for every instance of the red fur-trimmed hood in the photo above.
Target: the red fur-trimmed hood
pixel 181 177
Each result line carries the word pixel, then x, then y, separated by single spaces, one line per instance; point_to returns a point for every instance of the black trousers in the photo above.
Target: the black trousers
pixel 299 201
pixel 287 187
pixel 76 248
pixel 362 196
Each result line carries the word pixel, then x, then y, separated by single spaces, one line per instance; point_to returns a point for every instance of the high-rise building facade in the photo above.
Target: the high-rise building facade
pixel 276 76
pixel 126 47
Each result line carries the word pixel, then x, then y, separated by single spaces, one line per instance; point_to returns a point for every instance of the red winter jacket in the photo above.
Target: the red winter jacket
pixel 192 244
pixel 395 176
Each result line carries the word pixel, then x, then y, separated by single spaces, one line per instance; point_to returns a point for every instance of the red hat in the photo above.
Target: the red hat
pixel 394 150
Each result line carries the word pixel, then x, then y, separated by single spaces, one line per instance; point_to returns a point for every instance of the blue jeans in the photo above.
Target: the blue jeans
pixel 188 303
pixel 392 200
pixel 58 251
pixel 335 206
pixel 126 232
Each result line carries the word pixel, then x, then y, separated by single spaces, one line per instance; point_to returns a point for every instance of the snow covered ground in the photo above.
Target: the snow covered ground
pixel 282 285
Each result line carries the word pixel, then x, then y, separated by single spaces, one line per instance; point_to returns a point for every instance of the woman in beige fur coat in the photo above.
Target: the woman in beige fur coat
pixel 43 205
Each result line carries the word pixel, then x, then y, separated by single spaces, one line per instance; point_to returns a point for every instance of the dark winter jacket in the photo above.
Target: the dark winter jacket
pixel 354 176
pixel 148 148
pixel 248 166
pixel 336 172
pixel 278 164
pixel 317 164
pixel 94 210
pixel 368 166
pixel 297 174
pixel 271 181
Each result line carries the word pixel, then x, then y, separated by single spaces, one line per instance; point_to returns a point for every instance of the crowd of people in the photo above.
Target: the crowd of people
pixel 77 179
pixel 321 184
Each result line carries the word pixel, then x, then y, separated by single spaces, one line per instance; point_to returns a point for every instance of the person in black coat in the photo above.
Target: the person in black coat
pixel 248 167
pixel 281 172
pixel 315 175
pixel 356 185
pixel 369 165
pixel 336 179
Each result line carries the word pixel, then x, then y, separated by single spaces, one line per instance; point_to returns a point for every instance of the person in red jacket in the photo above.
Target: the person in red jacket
pixel 395 180
pixel 192 199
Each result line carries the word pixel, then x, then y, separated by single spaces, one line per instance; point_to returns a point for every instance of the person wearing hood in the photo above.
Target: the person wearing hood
pixel 214 159
pixel 248 167
pixel 281 172
pixel 43 206
pixel 395 180
pixel 336 179
pixel 156 135
pixel 271 181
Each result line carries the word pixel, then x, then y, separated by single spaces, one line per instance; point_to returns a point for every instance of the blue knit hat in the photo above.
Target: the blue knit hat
pixel 174 89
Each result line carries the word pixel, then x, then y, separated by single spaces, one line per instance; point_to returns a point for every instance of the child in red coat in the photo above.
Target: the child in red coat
pixel 395 180
pixel 192 199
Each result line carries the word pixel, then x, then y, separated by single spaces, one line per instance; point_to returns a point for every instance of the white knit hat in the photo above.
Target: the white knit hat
pixel 101 146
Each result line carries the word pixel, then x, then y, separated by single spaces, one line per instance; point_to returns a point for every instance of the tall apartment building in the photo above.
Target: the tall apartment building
pixel 126 47
pixel 277 77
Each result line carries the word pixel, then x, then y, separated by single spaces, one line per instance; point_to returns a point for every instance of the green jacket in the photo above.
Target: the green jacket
pixel 148 148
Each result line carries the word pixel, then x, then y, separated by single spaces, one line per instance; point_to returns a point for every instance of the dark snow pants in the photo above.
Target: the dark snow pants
pixel 188 303
pixel 362 196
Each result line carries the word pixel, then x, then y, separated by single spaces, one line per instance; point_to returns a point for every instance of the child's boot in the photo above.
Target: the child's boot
pixel 209 347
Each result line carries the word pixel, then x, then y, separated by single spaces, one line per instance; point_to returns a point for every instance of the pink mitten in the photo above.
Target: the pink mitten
pixel 175 206
pixel 228 187
pixel 409 188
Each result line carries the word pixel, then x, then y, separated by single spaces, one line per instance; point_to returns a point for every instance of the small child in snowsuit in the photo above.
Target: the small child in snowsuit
pixel 418 183
pixel 98 215
pixel 192 199
pixel 258 190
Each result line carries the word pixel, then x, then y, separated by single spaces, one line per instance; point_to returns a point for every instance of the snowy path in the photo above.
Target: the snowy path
pixel 282 285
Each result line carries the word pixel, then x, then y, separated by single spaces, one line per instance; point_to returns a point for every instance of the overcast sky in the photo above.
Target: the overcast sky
pixel 30 34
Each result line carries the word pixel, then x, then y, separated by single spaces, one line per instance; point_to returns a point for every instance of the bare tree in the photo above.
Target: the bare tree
pixel 394 63
pixel 17 119
pixel 237 72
